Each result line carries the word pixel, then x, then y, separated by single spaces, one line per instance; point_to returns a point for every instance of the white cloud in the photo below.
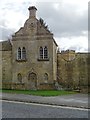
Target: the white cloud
pixel 14 19
pixel 80 44
pixel 64 15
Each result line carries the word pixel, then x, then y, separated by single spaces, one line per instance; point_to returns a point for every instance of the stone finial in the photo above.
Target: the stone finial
pixel 32 11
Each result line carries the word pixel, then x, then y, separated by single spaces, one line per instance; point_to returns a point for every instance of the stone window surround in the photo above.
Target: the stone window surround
pixel 44 55
pixel 23 53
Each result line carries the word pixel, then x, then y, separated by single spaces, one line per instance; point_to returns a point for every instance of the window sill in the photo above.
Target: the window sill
pixel 21 60
pixel 39 59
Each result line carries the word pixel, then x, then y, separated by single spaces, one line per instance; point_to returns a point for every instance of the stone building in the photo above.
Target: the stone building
pixel 31 60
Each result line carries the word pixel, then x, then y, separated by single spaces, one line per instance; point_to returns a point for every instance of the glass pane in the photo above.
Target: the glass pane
pixel 23 53
pixel 19 53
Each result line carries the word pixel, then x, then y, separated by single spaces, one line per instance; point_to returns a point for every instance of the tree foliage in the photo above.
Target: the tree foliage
pixel 43 23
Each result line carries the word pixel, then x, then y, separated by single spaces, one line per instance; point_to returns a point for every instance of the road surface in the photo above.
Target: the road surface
pixel 12 109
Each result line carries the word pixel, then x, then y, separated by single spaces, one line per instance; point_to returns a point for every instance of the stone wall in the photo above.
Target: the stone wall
pixel 73 73
pixel 7 66
pixel 32 63
pixel 6 62
pixel 0 65
pixel 72 69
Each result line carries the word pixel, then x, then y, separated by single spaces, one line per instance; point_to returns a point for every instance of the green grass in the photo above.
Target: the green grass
pixel 39 92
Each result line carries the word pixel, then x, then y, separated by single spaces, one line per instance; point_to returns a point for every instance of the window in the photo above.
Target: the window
pixel 19 77
pixel 19 54
pixel 45 77
pixel 23 53
pixel 45 53
pixel 41 53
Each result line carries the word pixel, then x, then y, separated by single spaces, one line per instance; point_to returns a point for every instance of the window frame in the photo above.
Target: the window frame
pixel 44 55
pixel 41 52
pixel 45 52
pixel 21 53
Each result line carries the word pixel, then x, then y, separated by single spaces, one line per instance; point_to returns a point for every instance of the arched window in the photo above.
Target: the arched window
pixel 19 54
pixel 41 53
pixel 23 53
pixel 19 77
pixel 45 77
pixel 45 52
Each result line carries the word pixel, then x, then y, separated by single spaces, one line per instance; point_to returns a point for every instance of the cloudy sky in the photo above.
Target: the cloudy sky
pixel 67 19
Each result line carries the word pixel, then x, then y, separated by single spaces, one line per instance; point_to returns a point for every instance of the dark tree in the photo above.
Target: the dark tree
pixel 43 23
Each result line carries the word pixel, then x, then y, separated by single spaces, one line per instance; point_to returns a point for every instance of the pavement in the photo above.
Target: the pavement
pixel 74 100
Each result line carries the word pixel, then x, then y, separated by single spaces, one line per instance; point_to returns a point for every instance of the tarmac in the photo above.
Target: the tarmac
pixel 73 100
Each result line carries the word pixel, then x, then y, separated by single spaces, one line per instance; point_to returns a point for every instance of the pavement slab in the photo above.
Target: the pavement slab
pixel 75 100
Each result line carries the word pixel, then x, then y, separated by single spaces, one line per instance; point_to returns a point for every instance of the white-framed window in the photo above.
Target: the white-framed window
pixel 43 52
pixel 21 53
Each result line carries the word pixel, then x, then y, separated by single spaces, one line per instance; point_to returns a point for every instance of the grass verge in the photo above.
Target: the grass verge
pixel 39 92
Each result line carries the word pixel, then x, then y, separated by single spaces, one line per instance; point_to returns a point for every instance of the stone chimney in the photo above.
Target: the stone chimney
pixel 32 12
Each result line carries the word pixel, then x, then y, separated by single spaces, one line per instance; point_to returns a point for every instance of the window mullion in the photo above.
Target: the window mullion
pixel 21 54
pixel 43 52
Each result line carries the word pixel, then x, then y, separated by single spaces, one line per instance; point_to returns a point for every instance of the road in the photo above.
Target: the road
pixel 12 109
